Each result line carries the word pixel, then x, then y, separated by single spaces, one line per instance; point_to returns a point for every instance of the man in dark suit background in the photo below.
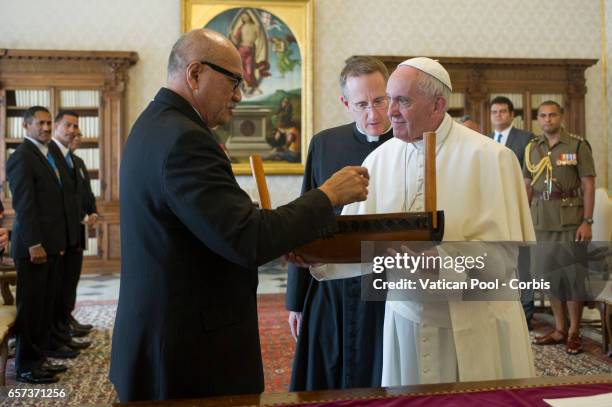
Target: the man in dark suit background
pixel 502 115
pixel 88 203
pixel 62 345
pixel 191 239
pixel 38 240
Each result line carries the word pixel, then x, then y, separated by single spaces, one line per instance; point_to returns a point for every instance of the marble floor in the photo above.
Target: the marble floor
pixel 105 287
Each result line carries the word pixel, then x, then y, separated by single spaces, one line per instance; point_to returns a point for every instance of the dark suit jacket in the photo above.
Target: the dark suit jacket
pixel 191 241
pixel 38 201
pixel 88 199
pixel 517 141
pixel 72 196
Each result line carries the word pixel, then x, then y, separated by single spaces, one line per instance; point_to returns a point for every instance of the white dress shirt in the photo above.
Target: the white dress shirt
pixel 504 135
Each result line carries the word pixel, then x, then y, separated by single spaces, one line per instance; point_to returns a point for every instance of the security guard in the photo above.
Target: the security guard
pixel 560 179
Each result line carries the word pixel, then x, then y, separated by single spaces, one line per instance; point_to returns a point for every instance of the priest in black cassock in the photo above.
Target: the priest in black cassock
pixel 339 336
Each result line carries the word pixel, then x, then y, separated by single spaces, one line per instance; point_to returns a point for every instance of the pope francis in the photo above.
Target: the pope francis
pixel 481 191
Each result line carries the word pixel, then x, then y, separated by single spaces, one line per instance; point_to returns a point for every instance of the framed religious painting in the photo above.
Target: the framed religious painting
pixel 274 39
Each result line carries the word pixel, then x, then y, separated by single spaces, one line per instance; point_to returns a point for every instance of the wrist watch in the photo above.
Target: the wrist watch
pixel 588 221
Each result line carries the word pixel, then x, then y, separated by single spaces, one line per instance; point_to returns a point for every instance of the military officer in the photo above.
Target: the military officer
pixel 560 179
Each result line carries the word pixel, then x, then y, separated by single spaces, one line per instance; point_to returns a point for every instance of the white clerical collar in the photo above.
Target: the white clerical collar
pixel 65 150
pixel 371 138
pixel 41 147
pixel 442 133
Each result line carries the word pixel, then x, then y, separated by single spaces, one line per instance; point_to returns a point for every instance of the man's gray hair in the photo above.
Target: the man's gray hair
pixel 176 60
pixel 433 88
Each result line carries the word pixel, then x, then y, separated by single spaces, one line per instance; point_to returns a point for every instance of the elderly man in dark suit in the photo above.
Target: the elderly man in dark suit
pixel 39 239
pixel 502 115
pixel 191 239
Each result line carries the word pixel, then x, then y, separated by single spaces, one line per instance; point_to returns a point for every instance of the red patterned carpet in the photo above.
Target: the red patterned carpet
pixel 277 345
pixel 86 381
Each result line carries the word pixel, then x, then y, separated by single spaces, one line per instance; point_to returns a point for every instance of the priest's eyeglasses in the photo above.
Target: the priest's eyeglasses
pixel 237 79
pixel 378 103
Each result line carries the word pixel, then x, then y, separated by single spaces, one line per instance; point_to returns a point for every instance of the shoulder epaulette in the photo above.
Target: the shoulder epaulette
pixel 534 140
pixel 577 137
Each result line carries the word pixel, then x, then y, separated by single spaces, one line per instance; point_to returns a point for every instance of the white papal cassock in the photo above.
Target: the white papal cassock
pixel 480 189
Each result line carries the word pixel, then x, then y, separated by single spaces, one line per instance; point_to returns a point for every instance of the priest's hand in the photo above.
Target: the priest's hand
pixel 295 324
pixel 346 186
pixel 93 218
pixel 38 255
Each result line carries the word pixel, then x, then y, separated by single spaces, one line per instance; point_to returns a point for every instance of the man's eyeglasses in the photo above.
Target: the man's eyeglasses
pixel 377 103
pixel 237 79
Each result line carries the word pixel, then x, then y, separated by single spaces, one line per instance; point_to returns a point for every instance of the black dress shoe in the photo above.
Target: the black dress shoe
pixel 78 345
pixel 54 368
pixel 36 376
pixel 63 352
pixel 78 325
pixel 78 333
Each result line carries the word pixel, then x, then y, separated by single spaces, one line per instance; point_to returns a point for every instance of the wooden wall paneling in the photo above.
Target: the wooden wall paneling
pixel 114 247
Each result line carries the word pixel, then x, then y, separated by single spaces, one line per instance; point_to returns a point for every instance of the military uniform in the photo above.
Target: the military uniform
pixel 557 206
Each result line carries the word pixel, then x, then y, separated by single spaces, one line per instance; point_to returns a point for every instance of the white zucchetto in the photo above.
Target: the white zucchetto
pixel 430 67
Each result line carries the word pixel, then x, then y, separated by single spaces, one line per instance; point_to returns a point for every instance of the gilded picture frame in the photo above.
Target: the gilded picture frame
pixel 275 41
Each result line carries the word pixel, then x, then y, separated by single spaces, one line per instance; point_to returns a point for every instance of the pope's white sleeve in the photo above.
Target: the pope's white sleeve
pixel 326 272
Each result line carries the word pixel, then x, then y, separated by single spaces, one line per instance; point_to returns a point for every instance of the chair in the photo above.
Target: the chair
pixel 8 314
pixel 602 232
